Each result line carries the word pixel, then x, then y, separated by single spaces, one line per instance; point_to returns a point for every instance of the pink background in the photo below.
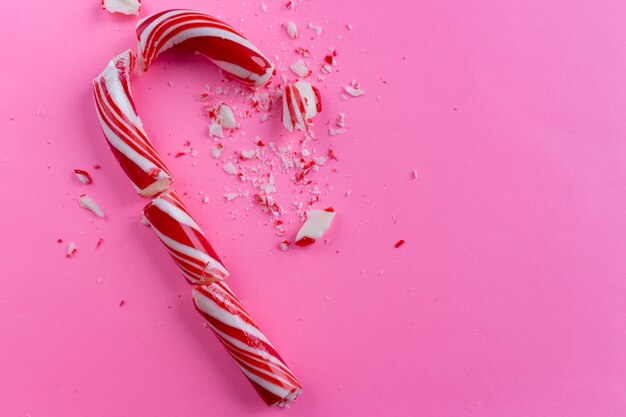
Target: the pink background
pixel 508 297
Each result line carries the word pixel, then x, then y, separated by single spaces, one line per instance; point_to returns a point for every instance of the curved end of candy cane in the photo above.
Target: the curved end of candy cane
pixel 206 35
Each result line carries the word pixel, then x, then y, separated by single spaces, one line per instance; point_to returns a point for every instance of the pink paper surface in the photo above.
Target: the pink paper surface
pixel 507 299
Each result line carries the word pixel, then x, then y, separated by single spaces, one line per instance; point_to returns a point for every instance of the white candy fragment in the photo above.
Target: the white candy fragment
pixel 354 89
pixel 226 116
pixel 296 97
pixel 284 245
pixel 300 69
pixel 292 30
pixel 122 6
pixel 316 29
pixel 341 120
pixel 217 150
pixel 215 129
pixel 206 199
pixel 248 154
pixel 230 169
pixel 71 250
pixel 315 226
pixel 264 7
pixel 335 132
pixel 86 202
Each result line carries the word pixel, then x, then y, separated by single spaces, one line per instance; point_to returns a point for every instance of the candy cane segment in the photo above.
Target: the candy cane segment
pixel 123 128
pixel 241 337
pixel 184 239
pixel 210 37
pixel 301 102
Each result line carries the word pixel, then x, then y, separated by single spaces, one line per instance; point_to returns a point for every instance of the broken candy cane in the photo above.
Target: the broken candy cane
pixel 317 223
pixel 211 37
pixel 123 128
pixel 301 102
pixel 248 346
pixel 122 6
pixel 183 238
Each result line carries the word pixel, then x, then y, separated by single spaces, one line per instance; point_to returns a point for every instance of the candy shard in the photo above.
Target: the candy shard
pixel 300 69
pixel 122 6
pixel 87 202
pixel 71 250
pixel 354 89
pixel 83 176
pixel 207 35
pixel 316 225
pixel 301 102
pixel 184 239
pixel 292 30
pixel 226 116
pixel 124 130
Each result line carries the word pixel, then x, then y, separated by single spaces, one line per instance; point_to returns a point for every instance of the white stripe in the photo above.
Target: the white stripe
pixel 175 213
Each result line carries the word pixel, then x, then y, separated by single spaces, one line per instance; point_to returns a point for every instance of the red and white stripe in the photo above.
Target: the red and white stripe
pixel 211 37
pixel 124 130
pixel 301 102
pixel 184 239
pixel 248 346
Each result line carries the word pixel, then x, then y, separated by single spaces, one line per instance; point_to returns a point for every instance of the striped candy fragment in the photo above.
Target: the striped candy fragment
pixel 123 128
pixel 301 102
pixel 184 239
pixel 244 341
pixel 207 35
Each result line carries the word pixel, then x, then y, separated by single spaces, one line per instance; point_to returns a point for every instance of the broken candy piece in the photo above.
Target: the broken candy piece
pixel 122 6
pixel 301 102
pixel 83 176
pixel 317 223
pixel 292 30
pixel 354 89
pixel 226 116
pixel 86 202
pixel 300 69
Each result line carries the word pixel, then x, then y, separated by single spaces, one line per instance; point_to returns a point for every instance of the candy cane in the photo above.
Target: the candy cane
pixel 241 337
pixel 166 213
pixel 123 128
pixel 211 37
pixel 184 239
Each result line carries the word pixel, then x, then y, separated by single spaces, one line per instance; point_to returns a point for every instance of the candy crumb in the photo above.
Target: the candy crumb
pixel 71 250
